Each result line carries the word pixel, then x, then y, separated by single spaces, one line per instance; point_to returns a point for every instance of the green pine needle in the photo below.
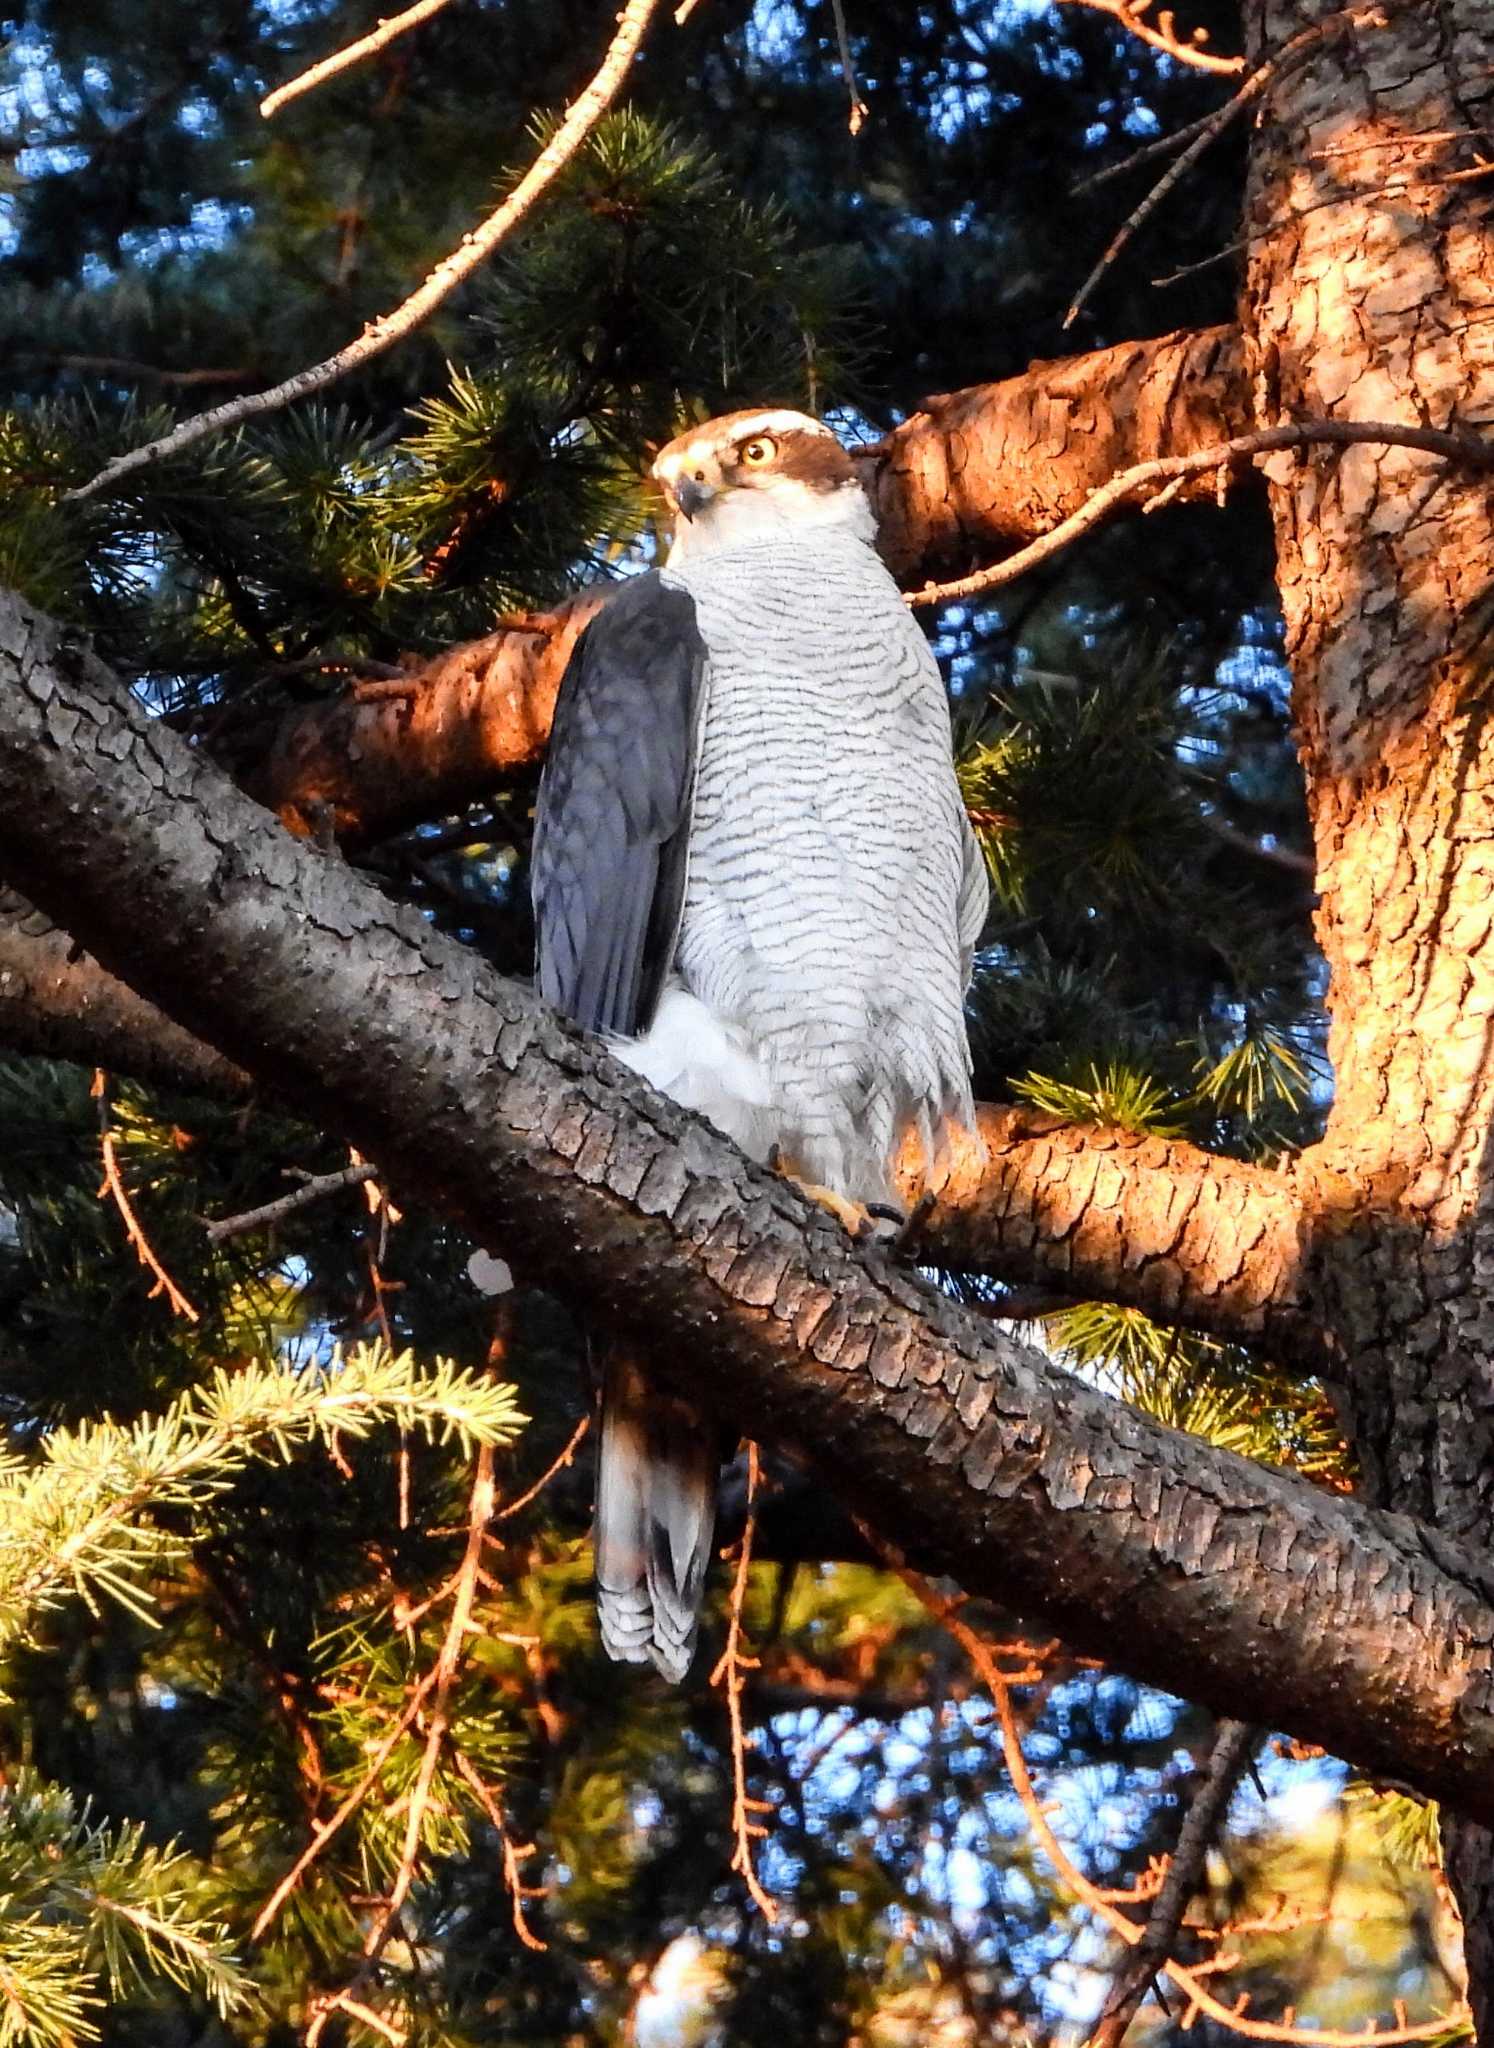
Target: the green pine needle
pixel 81 1521
pixel 1116 1094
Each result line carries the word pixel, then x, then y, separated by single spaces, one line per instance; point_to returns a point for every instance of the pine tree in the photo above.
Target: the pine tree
pixel 307 1734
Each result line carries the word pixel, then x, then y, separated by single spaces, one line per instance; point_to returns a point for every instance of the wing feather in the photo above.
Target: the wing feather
pixel 612 824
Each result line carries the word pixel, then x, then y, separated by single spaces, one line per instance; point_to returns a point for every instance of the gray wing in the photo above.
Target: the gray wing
pixel 612 824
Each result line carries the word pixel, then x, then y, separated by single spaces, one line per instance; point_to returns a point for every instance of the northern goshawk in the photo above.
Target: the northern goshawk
pixel 754 873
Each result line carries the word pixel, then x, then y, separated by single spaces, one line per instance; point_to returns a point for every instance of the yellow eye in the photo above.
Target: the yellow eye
pixel 759 450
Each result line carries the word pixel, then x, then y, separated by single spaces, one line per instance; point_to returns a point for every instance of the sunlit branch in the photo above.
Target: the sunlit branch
pixel 113 1186
pixel 353 53
pixel 1131 14
pixel 728 1674
pixel 381 334
pixel 1164 473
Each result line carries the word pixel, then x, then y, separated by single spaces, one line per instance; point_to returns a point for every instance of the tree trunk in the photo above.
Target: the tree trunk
pixel 1371 295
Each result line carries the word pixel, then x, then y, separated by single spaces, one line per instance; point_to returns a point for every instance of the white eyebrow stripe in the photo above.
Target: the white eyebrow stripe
pixel 711 447
pixel 781 422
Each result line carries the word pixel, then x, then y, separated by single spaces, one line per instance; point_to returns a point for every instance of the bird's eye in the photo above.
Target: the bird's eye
pixel 760 449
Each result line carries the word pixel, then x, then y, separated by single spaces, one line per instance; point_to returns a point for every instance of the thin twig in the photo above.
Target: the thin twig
pixel 475 248
pixel 1244 842
pixel 728 1674
pixel 344 59
pixel 1160 145
pixel 1288 56
pixel 312 1190
pixel 126 366
pixel 113 1185
pixel 323 1832
pixel 480 1507
pixel 1167 470
pixel 1164 37
pixel 1420 141
pixel 1191 1979
pixel 489 1801
pixel 1233 1742
pixel 512 1507
pixel 1235 248
pixel 859 109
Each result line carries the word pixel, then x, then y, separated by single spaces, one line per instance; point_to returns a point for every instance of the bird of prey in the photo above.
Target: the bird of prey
pixel 753 872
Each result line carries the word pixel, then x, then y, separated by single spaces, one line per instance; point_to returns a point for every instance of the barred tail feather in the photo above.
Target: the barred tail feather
pixel 656 1511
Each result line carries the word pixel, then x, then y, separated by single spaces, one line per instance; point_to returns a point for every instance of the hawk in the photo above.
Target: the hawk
pixel 753 872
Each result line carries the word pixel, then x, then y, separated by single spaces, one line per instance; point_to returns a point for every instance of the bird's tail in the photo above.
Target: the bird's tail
pixel 657 1464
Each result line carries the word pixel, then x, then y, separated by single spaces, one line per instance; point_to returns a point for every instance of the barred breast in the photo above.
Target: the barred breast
pixel 830 891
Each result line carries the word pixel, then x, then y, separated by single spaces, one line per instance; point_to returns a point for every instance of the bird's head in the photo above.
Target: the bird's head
pixel 758 476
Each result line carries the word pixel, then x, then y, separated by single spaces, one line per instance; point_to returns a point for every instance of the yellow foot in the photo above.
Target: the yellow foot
pixel 853 1217
pixel 856 1219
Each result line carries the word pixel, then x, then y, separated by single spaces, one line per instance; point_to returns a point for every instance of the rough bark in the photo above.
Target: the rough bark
pixel 472 718
pixel 1193 1239
pixel 57 1003
pixel 975 474
pixel 1362 303
pixel 1199 1570
pixel 972 475
pixel 1205 1243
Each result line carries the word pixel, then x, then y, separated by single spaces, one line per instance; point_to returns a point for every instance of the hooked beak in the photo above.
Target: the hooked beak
pixel 692 497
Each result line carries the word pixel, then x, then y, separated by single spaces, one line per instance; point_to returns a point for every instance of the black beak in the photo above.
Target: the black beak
pixel 691 496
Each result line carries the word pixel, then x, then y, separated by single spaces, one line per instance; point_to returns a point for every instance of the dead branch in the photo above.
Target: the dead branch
pixel 1245 842
pixel 313 1189
pixel 1287 58
pixel 1164 37
pixel 324 1830
pixel 518 1891
pixel 530 1493
pixel 859 108
pixel 1168 471
pixel 1058 1209
pixel 480 1507
pixel 728 1674
pixel 354 53
pixel 1237 1585
pixel 1191 1979
pixel 381 334
pixel 1160 145
pixel 1233 1743
pixel 113 1185
pixel 126 366
pixel 978 471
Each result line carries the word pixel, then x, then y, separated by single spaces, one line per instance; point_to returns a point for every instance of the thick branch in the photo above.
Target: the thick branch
pixel 1214 1244
pixel 471 718
pixel 57 1003
pixel 1209 1243
pixel 1203 1572
pixel 972 476
pixel 977 473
